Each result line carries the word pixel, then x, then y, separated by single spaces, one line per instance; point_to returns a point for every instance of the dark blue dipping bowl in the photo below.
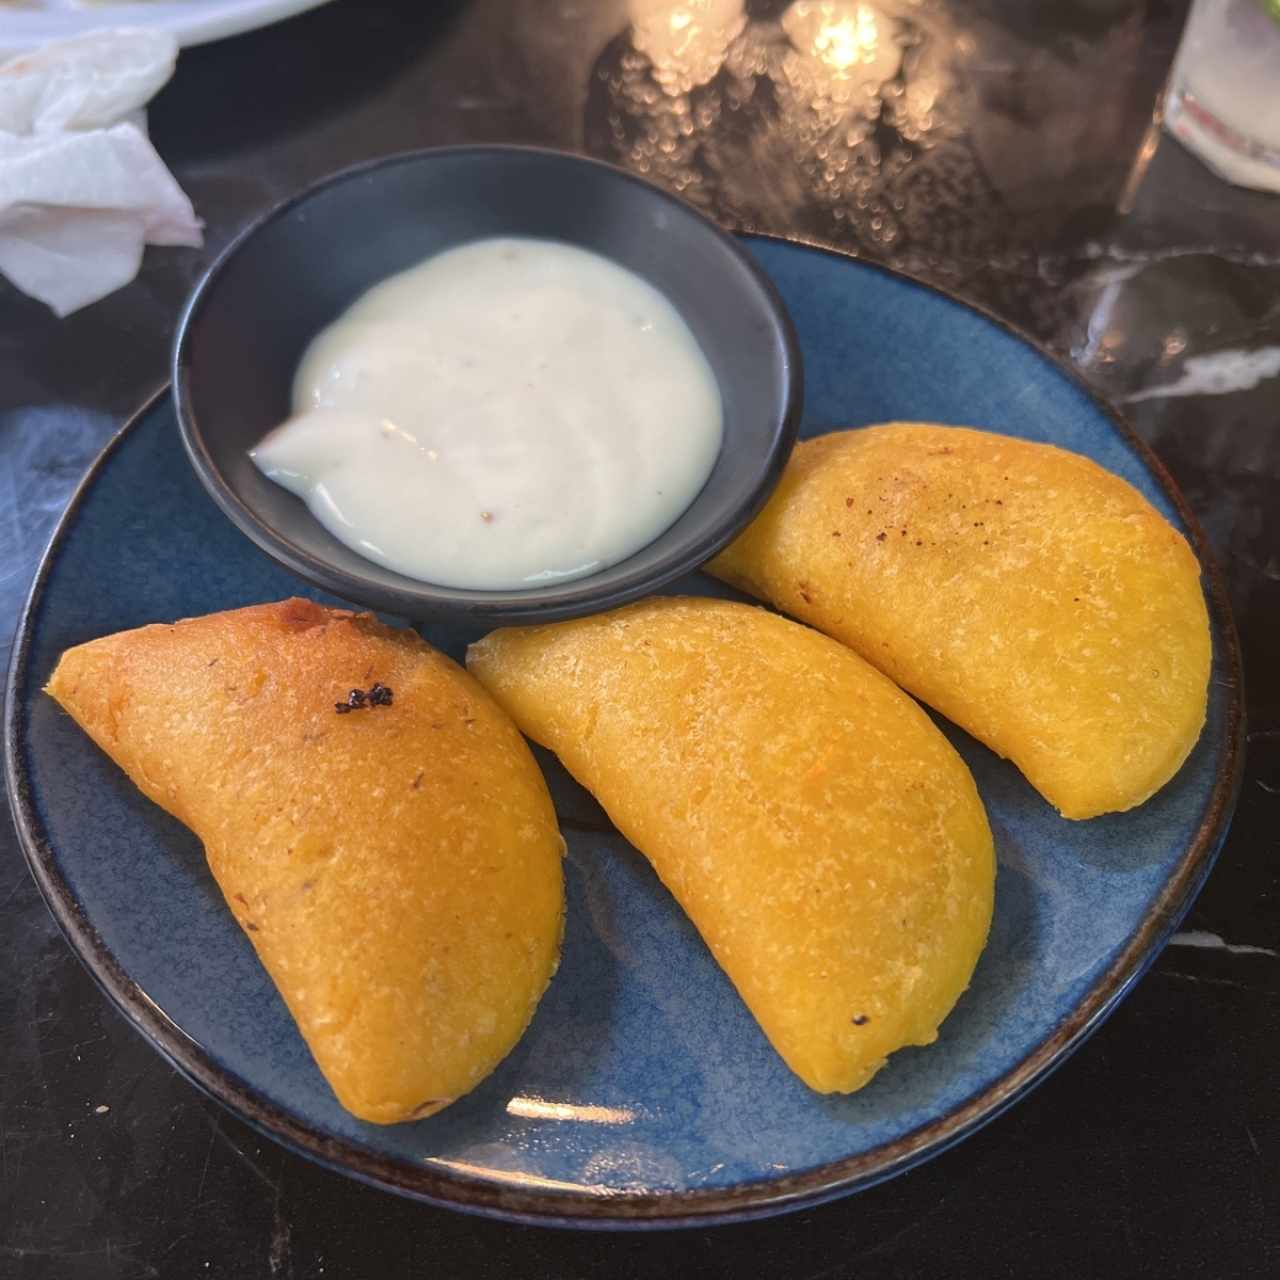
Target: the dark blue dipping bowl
pixel 296 269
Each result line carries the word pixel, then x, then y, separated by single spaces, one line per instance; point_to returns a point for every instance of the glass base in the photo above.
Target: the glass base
pixel 1228 153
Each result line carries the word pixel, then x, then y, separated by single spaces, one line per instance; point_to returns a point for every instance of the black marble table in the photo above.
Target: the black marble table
pixel 1011 159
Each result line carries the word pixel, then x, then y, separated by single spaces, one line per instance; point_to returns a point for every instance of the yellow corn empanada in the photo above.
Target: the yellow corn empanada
pixel 1028 594
pixel 824 837
pixel 396 866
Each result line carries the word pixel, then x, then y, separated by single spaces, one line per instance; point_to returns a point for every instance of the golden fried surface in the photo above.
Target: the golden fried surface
pixel 823 836
pixel 396 868
pixel 1029 595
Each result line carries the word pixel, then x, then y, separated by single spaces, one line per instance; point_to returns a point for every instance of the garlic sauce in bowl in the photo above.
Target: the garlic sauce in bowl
pixel 372 320
pixel 510 412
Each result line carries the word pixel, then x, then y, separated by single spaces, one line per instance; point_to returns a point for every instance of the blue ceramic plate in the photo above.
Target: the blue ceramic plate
pixel 643 1091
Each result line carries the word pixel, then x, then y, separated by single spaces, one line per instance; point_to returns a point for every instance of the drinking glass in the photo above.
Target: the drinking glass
pixel 1223 101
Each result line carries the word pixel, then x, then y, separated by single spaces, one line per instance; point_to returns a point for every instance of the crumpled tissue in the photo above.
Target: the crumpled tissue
pixel 82 189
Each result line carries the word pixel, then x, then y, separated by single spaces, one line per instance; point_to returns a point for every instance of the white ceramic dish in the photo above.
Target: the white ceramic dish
pixel 191 21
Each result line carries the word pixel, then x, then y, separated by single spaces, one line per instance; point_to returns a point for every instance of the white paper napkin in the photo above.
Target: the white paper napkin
pixel 81 187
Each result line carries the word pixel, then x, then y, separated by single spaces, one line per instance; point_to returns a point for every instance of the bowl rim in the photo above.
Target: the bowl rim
pixel 648 1209
pixel 427 601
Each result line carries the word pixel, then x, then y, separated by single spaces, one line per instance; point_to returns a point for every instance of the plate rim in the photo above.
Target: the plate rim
pixel 695 1207
pixel 188 29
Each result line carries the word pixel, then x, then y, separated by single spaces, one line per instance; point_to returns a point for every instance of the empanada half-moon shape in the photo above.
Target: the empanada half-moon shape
pixel 821 833
pixel 396 867
pixel 1032 597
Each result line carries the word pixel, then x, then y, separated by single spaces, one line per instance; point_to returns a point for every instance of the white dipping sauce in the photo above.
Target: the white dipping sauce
pixel 508 413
